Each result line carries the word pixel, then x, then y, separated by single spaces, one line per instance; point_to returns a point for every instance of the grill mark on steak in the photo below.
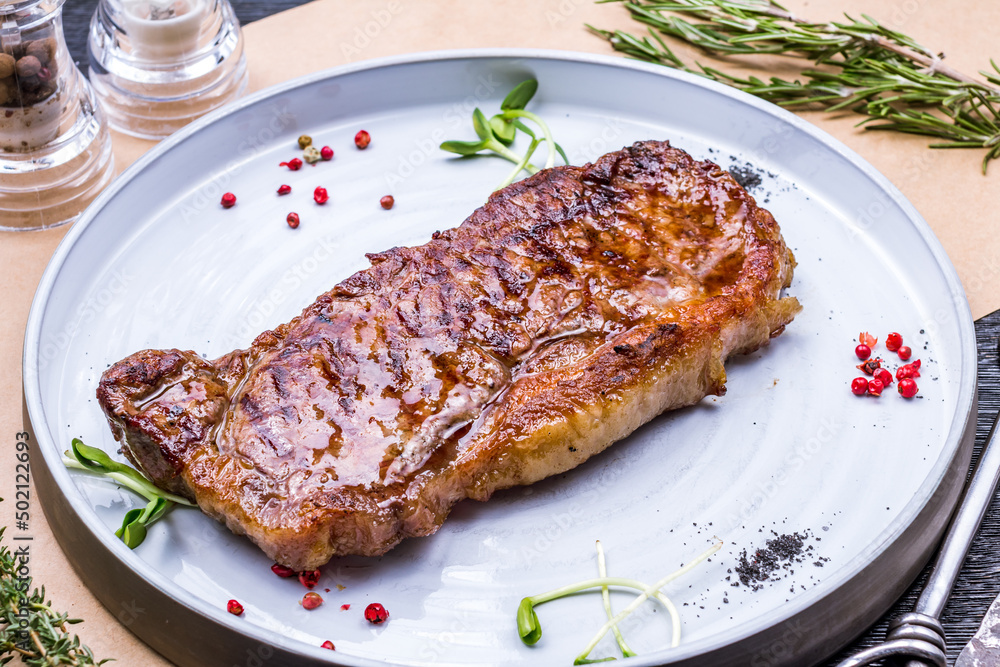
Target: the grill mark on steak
pixel 570 309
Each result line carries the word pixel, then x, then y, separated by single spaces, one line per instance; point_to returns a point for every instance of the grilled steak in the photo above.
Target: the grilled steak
pixel 570 309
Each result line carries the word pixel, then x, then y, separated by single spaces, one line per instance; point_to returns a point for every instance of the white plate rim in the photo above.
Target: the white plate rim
pixel 965 398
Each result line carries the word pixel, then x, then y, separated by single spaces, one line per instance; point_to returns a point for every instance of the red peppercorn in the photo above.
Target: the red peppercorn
pixel 907 388
pixel 859 386
pixel 320 195
pixel 376 614
pixel 309 578
pixel 326 153
pixel 875 387
pixel 328 644
pixel 228 200
pixel 282 571
pixel 294 164
pixel 284 189
pixel 387 202
pixel 362 139
pixel 908 370
pixel 870 366
pixel 866 338
pixel 292 220
pixel 863 351
pixel 884 376
pixel 234 608
pixel 311 600
pixel 345 607
pixel 893 341
pixel 904 353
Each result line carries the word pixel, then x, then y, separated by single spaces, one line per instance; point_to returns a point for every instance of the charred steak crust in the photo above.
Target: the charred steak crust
pixel 570 309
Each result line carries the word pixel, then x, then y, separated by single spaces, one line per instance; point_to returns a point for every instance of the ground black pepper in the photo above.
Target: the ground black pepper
pixel 745 176
pixel 779 553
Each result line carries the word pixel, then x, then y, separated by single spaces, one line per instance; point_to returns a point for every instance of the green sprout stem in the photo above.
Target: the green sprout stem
pixel 498 133
pixel 646 594
pixel 602 570
pixel 147 490
pixel 133 529
pixel 530 629
pixel 519 113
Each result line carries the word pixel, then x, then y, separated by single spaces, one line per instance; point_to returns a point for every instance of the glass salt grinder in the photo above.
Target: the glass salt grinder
pixel 55 148
pixel 156 65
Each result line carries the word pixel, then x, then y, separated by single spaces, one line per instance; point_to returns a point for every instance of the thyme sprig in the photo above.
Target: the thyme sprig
pixel 30 628
pixel 860 65
pixel 497 134
pixel 529 628
pixel 133 529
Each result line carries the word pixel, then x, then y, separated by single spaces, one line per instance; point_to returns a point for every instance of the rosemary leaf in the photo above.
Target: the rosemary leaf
pixel 858 65
pixel 29 627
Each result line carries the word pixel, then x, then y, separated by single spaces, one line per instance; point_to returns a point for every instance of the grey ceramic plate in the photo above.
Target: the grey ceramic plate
pixel 156 262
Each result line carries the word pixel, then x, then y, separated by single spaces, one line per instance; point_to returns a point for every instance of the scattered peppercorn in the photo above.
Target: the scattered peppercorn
pixel 234 608
pixel 27 66
pixel 907 388
pixel 294 164
pixel 863 351
pixel 284 189
pixel 312 155
pixel 376 614
pixel 6 65
pixel 309 578
pixel 904 353
pixel 326 153
pixel 228 200
pixel 387 202
pixel 870 366
pixel 908 370
pixel 41 49
pixel 282 571
pixel 875 387
pixel 311 600
pixel 345 607
pixel 320 195
pixel 362 139
pixel 328 644
pixel 884 376
pixel 305 141
pixel 893 341
pixel 292 220
pixel 859 386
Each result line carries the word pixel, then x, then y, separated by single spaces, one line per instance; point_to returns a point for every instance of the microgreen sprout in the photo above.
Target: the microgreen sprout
pixel 133 529
pixel 529 628
pixel 602 570
pixel 498 133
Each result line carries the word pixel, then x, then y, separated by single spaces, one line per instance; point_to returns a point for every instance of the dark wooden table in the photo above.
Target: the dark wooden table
pixel 979 582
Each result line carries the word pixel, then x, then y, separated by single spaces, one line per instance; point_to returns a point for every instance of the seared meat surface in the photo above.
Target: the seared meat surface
pixel 571 308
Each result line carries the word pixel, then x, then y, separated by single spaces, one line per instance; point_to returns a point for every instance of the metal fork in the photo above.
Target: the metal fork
pixel 919 635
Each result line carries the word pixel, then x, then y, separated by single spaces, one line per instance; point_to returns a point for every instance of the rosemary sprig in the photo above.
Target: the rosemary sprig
pixel 29 626
pixel 861 65
pixel 497 134
pixel 133 529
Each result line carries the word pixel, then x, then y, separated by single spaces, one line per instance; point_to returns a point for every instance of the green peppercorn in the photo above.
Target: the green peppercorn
pixel 305 141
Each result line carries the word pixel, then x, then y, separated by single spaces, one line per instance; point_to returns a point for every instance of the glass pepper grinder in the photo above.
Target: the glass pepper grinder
pixel 156 65
pixel 55 148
